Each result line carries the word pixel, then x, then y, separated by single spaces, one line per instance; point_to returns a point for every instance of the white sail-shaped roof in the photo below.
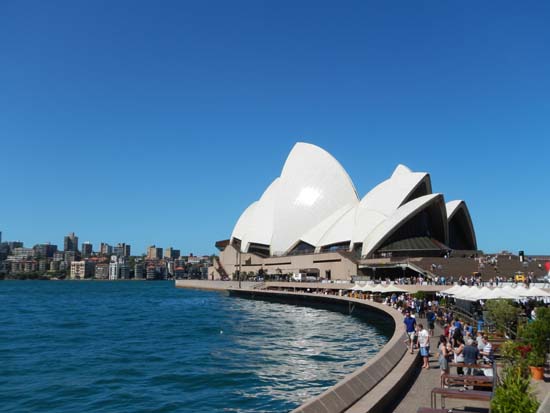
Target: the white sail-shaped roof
pixel 314 201
pixel 458 209
pixel 319 234
pixel 313 186
pixel 259 229
pixel 384 199
pixel 386 228
pixel 242 225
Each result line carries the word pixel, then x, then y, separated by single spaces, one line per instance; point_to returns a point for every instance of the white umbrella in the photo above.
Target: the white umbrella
pixel 537 292
pixel 393 289
pixel 501 294
pixel 481 293
pixel 511 290
pixel 378 289
pixel 451 291
pixel 357 287
pixel 367 288
pixel 464 293
pixel 521 291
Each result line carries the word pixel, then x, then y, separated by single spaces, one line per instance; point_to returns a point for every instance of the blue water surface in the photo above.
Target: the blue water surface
pixel 93 346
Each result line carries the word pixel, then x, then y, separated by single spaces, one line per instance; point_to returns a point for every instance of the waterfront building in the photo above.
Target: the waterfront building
pixel 58 256
pixel 179 272
pixel 124 271
pixel 30 266
pixel 82 269
pixel 119 268
pixel 154 253
pixel 139 271
pixel 43 265
pixel 87 249
pixel 70 242
pixel 16 267
pixel 54 265
pixel 101 271
pixel 151 272
pixel 310 220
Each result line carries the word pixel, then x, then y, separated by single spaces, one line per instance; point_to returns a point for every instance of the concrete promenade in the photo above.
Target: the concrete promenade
pixel 405 387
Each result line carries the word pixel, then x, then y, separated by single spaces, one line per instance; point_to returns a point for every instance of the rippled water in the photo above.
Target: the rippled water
pixel 148 347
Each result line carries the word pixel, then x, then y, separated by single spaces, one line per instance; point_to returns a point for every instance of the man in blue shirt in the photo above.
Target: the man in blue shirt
pixel 410 324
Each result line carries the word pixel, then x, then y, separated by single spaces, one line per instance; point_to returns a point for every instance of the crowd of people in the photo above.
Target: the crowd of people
pixel 460 343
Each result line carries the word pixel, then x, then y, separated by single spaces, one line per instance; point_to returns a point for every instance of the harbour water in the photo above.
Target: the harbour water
pixel 147 347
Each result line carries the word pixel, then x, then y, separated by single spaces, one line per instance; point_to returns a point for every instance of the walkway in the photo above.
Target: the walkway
pixel 419 394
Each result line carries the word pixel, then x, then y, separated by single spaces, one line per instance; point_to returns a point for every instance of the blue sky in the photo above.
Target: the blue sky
pixel 159 122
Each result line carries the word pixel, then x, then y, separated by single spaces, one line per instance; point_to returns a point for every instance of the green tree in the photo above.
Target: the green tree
pixel 537 335
pixel 504 315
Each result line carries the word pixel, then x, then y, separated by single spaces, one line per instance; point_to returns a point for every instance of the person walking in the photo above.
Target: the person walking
pixel 410 324
pixel 430 316
pixel 424 343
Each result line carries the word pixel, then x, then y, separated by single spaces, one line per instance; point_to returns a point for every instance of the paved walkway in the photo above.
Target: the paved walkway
pixel 419 394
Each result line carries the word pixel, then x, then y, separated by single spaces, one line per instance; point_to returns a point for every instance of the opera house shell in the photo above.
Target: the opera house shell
pixel 313 207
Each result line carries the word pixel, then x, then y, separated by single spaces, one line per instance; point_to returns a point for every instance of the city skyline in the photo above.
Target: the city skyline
pixel 159 125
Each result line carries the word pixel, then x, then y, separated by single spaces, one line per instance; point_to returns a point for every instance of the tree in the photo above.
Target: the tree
pixel 504 315
pixel 537 335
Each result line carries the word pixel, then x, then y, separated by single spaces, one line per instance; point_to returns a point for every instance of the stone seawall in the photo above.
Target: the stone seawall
pixel 373 388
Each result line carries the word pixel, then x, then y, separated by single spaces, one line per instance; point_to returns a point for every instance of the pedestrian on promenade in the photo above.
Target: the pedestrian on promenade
pixel 443 355
pixel 458 349
pixel 410 324
pixel 430 316
pixel 471 354
pixel 424 343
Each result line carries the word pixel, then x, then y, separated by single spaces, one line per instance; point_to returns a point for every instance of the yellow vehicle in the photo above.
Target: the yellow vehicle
pixel 519 277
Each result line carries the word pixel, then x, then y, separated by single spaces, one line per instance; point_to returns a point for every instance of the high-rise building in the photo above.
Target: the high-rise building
pixel 87 249
pixel 154 253
pixel 70 242
pixel 105 249
pixel 122 250
pixel 171 253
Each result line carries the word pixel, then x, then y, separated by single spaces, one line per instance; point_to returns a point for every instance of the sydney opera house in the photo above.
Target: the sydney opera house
pixel 310 220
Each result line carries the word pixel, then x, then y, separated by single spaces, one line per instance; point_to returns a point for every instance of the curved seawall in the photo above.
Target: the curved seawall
pixel 377 385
